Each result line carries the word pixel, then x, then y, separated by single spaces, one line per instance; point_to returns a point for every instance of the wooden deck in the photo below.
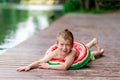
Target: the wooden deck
pixel 84 27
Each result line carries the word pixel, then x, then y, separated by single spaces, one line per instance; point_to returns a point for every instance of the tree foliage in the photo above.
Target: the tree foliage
pixel 88 5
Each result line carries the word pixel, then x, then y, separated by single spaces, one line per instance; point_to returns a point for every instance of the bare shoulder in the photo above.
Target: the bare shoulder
pixel 55 52
pixel 48 56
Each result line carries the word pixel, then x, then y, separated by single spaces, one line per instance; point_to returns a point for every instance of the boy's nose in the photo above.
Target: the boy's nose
pixel 64 47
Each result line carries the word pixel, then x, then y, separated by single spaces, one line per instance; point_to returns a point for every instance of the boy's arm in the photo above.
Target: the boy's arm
pixel 36 63
pixel 27 68
pixel 63 66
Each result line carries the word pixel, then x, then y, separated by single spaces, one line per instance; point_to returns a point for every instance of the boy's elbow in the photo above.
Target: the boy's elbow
pixel 65 67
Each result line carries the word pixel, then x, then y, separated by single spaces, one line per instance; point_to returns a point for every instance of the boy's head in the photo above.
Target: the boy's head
pixel 66 35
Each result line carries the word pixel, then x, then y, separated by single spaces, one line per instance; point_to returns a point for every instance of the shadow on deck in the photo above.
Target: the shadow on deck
pixel 84 27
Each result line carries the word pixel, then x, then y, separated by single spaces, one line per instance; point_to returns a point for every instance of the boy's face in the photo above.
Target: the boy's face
pixel 64 46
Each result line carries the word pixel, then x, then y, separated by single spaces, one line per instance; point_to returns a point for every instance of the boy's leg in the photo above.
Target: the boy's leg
pixel 99 51
pixel 92 43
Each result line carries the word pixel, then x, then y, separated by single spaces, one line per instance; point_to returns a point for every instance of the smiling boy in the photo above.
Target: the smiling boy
pixel 65 51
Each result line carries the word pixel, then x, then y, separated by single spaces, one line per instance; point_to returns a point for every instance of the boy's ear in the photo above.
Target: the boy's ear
pixel 57 42
pixel 72 44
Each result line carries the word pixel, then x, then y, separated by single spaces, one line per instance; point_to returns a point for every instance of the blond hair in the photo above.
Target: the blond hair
pixel 66 34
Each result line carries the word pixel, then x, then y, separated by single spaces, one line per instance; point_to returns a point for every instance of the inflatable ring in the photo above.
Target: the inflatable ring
pixel 84 56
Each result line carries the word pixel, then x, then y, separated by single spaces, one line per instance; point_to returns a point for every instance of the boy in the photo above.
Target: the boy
pixel 65 51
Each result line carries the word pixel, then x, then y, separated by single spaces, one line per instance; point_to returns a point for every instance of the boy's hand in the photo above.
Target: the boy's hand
pixel 44 65
pixel 25 68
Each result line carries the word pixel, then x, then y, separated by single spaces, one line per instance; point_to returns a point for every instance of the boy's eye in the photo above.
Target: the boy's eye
pixel 61 44
pixel 65 44
pixel 68 44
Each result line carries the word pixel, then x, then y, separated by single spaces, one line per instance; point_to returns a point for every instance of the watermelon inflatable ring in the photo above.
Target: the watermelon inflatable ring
pixel 84 56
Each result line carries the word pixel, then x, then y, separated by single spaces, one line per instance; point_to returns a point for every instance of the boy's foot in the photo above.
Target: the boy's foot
pixel 98 54
pixel 96 44
pixel 95 41
pixel 101 51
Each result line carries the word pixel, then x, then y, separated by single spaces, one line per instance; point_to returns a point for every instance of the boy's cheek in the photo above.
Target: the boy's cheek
pixel 59 47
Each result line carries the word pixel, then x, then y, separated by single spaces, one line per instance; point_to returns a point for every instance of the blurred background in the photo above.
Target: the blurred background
pixel 21 19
